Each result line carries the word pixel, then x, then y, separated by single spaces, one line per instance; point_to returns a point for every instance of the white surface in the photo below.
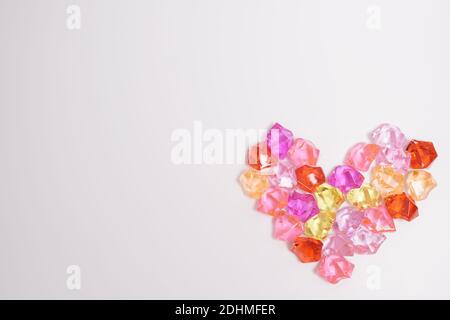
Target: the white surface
pixel 86 118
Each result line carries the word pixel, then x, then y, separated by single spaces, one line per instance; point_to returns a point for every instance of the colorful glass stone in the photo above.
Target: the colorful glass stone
pixel 419 184
pixel 286 227
pixel 273 201
pixel 395 158
pixel 334 268
pixel 307 249
pixel 253 183
pixel 302 205
pixel 422 154
pixel 337 244
pixel 378 220
pixel 361 155
pixel 279 140
pixel 400 206
pixel 345 178
pixel 348 219
pixel 328 197
pixel 387 181
pixel 387 135
pixel 309 178
pixel 283 175
pixel 260 158
pixel 367 242
pixel 303 152
pixel 318 226
pixel 364 197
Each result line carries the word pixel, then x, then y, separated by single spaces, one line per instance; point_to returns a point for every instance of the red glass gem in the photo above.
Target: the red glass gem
pixel 309 178
pixel 422 153
pixel 400 206
pixel 307 249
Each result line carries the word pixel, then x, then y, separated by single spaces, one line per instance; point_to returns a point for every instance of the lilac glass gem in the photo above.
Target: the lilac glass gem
pixel 367 242
pixel 387 135
pixel 338 244
pixel 279 140
pixel 345 178
pixel 302 205
pixel 284 175
pixel 397 158
pixel 348 220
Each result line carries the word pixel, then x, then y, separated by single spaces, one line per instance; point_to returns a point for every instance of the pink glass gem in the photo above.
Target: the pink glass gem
pixel 361 155
pixel 284 175
pixel 286 227
pixel 303 152
pixel 338 244
pixel 345 178
pixel 302 205
pixel 367 242
pixel 387 135
pixel 348 220
pixel 273 201
pixel 279 140
pixel 334 268
pixel 378 220
pixel 397 158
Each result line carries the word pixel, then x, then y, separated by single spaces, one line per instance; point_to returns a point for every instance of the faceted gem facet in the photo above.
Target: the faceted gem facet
pixel 378 220
pixel 422 153
pixel 364 197
pixel 253 183
pixel 303 152
pixel 307 249
pixel 328 197
pixel 345 178
pixel 337 244
pixel 302 205
pixel 334 268
pixel 367 242
pixel 273 201
pixel 283 175
pixel 361 155
pixel 260 158
pixel 348 219
pixel 387 181
pixel 396 158
pixel 318 226
pixel 419 184
pixel 286 227
pixel 279 140
pixel 387 135
pixel 400 206
pixel 309 178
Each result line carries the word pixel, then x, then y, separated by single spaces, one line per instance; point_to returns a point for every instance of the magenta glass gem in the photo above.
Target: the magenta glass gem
pixel 279 140
pixel 345 178
pixel 302 205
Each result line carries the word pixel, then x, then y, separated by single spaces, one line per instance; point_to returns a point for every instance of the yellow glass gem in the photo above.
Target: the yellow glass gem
pixel 387 181
pixel 419 184
pixel 364 197
pixel 328 197
pixel 318 226
pixel 253 183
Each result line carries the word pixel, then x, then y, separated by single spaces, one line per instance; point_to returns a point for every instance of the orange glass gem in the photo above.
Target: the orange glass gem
pixel 307 249
pixel 400 206
pixel 422 153
pixel 309 178
pixel 259 157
